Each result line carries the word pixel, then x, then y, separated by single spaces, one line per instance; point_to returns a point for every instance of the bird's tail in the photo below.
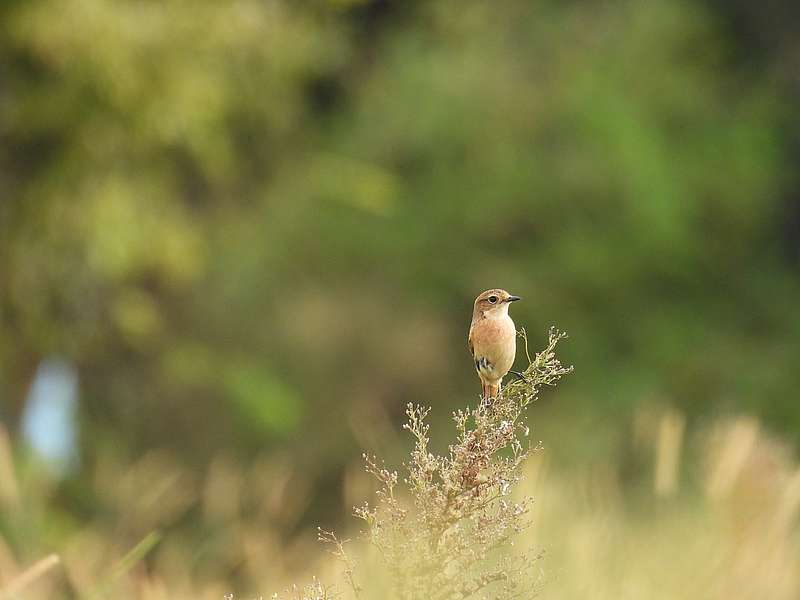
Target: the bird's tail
pixel 491 390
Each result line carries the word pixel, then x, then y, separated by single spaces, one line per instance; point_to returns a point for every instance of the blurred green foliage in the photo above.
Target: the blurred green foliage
pixel 258 226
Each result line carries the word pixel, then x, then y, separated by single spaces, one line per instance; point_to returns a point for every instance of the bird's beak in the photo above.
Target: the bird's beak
pixel 513 298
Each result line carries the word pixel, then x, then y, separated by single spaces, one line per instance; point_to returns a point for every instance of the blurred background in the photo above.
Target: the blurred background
pixel 236 238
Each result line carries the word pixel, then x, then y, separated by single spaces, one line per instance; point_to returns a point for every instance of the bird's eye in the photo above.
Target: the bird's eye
pixel 493 299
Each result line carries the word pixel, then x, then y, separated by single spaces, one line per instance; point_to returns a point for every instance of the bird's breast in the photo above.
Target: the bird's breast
pixel 494 345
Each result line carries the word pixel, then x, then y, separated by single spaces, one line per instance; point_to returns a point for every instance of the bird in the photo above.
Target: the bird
pixel 492 339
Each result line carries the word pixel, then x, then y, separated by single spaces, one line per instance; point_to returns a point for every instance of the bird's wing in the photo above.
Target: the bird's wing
pixel 469 343
pixel 480 362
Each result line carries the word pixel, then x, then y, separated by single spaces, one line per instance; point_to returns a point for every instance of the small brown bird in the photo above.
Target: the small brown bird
pixel 492 339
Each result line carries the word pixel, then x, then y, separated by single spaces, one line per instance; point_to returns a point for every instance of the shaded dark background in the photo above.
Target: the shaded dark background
pixel 253 231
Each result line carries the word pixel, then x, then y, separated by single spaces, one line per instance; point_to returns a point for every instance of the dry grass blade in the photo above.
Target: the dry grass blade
pixel 126 563
pixel 31 574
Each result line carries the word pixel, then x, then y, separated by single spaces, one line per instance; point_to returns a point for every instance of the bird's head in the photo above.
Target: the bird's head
pixel 493 303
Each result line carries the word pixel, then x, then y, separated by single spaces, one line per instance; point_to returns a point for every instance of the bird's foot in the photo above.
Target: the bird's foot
pixel 519 375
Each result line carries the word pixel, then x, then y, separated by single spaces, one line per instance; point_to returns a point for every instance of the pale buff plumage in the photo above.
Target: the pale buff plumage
pixel 492 339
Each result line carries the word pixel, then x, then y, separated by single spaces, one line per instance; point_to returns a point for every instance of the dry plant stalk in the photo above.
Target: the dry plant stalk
pixel 445 531
pixel 312 591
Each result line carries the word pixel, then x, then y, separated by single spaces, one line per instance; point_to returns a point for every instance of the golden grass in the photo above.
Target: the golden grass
pixel 732 534
pixel 715 518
